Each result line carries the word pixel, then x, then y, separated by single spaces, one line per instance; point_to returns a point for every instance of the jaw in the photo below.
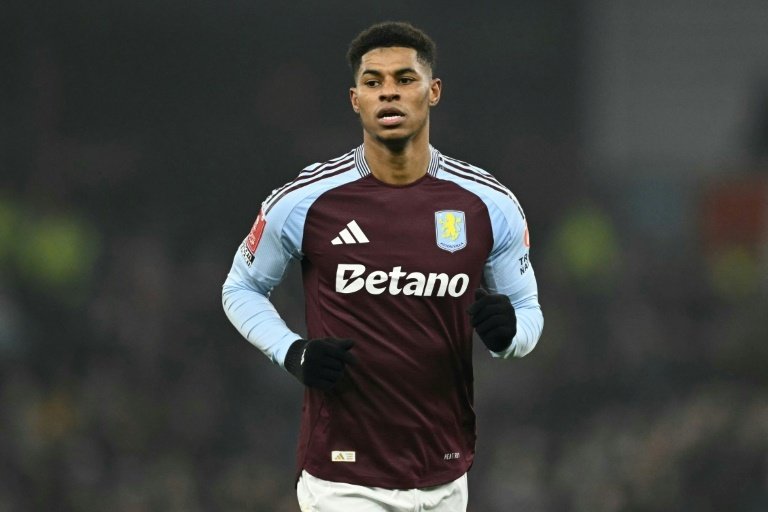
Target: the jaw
pixel 396 139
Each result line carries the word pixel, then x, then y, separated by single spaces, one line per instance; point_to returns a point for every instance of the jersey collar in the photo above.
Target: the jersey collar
pixel 435 161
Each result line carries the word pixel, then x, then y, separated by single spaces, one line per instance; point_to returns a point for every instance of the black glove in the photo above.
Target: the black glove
pixel 493 317
pixel 319 363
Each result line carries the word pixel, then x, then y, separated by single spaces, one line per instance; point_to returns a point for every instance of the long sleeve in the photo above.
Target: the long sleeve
pixel 257 268
pixel 251 312
pixel 274 240
pixel 509 271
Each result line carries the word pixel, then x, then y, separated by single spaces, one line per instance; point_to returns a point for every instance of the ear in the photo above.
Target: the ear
pixel 435 90
pixel 353 99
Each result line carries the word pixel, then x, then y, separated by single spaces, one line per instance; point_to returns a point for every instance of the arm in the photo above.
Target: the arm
pixel 508 272
pixel 257 268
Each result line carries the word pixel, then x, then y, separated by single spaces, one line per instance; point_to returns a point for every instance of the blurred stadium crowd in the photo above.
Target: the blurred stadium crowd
pixel 135 150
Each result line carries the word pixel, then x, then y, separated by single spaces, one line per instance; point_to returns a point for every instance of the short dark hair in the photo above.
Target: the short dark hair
pixel 387 35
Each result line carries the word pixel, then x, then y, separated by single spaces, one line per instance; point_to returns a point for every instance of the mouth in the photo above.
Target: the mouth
pixel 390 116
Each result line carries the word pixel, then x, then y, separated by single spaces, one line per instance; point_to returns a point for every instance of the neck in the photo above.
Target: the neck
pixel 397 164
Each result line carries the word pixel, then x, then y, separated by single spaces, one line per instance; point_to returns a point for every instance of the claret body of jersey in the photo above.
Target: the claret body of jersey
pixel 393 268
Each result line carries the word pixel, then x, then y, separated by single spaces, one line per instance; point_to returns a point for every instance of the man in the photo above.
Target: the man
pixel 395 241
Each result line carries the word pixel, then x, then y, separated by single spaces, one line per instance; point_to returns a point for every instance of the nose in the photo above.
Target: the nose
pixel 389 91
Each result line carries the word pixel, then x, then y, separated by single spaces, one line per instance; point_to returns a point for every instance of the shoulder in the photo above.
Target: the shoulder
pixel 482 183
pixel 311 182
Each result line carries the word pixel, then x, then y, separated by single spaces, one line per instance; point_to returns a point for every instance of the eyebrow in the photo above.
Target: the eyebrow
pixel 375 72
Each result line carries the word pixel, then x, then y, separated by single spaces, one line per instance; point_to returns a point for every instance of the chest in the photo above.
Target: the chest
pixel 431 227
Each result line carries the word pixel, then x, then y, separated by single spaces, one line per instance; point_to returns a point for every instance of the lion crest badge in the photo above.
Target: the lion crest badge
pixel 450 230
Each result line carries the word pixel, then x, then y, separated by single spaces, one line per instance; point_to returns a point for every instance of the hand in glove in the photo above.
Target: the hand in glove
pixel 493 317
pixel 319 363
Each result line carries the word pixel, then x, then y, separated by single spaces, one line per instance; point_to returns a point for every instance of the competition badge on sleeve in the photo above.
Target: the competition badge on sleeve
pixel 527 236
pixel 450 230
pixel 251 242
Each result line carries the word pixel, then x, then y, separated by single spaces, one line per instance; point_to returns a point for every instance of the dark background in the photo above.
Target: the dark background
pixel 138 139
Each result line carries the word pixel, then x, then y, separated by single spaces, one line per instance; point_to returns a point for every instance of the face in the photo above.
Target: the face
pixel 393 94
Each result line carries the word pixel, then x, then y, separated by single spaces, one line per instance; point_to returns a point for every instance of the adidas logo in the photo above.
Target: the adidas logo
pixel 352 234
pixel 339 456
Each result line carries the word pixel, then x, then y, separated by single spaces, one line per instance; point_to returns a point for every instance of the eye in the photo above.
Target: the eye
pixel 371 83
pixel 405 80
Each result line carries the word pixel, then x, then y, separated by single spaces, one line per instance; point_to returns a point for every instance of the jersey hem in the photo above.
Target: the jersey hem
pixel 442 478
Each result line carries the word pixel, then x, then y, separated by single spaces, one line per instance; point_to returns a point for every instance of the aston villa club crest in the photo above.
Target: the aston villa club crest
pixel 450 230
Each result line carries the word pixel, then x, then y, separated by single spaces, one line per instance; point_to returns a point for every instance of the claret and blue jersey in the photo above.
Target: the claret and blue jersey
pixel 393 268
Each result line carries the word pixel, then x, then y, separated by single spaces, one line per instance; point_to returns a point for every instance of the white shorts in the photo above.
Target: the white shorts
pixel 317 495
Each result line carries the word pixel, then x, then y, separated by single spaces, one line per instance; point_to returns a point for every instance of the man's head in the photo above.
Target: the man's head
pixel 390 34
pixel 394 89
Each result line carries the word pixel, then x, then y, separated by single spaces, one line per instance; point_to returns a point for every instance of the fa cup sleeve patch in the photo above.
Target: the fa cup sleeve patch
pixel 527 236
pixel 251 242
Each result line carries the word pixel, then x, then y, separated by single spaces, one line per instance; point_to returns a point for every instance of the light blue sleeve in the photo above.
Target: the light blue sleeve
pixel 245 294
pixel 276 238
pixel 508 270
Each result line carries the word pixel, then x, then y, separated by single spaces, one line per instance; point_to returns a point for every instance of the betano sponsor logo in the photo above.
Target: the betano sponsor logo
pixel 351 278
